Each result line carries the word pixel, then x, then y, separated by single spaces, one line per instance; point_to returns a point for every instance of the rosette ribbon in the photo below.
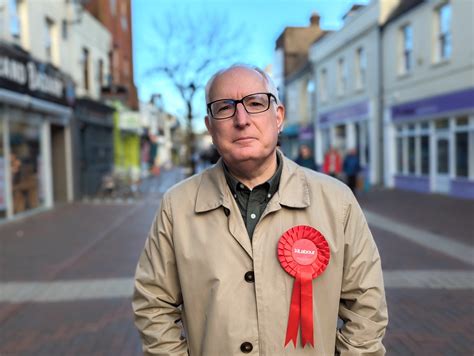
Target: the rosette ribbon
pixel 303 253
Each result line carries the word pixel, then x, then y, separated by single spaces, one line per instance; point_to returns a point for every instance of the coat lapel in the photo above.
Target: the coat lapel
pixel 213 193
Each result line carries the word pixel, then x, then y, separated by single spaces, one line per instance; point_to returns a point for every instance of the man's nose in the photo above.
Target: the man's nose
pixel 241 116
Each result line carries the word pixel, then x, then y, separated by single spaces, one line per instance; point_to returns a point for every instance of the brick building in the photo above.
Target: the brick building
pixel 116 17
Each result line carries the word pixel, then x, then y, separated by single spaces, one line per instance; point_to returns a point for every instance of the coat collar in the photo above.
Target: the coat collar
pixel 213 190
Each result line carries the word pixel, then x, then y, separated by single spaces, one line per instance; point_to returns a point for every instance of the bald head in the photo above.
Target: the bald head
pixel 270 86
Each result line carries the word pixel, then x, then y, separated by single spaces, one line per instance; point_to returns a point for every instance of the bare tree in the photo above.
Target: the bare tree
pixel 188 48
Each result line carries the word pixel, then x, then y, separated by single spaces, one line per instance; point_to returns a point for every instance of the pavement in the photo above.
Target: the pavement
pixel 66 275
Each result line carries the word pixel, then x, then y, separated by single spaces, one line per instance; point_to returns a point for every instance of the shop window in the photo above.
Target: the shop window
pixel 442 124
pixel 411 155
pixel 400 155
pixel 443 156
pixel 425 155
pixel 462 121
pixel 25 163
pixel 462 149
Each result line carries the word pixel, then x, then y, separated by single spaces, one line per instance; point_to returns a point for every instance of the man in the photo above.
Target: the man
pixel 351 168
pixel 211 261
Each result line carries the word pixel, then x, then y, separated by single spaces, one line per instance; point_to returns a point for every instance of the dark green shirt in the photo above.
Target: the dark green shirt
pixel 252 202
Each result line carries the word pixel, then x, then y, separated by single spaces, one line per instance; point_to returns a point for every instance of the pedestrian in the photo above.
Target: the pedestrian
pixel 246 253
pixel 332 162
pixel 305 157
pixel 351 168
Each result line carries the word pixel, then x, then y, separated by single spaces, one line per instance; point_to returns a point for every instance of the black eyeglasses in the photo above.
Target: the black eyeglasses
pixel 253 104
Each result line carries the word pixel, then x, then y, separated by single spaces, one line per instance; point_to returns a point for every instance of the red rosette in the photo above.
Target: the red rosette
pixel 303 253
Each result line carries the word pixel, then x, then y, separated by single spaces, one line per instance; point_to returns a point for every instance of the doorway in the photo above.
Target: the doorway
pixel 58 157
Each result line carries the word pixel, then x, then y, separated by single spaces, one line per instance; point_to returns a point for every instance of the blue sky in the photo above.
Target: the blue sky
pixel 262 21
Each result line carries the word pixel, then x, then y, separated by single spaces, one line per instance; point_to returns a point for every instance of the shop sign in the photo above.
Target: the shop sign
pixel 21 73
pixel 350 112
pixel 434 106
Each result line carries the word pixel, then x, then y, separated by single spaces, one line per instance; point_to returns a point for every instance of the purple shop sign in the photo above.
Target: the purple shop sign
pixel 440 104
pixel 306 133
pixel 350 112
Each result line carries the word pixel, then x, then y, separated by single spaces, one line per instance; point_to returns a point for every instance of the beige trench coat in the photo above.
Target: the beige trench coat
pixel 198 253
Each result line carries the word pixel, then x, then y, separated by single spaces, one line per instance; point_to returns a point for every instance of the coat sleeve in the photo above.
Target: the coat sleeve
pixel 363 307
pixel 157 297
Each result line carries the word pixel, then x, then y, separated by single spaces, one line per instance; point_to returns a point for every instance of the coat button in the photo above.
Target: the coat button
pixel 249 277
pixel 246 347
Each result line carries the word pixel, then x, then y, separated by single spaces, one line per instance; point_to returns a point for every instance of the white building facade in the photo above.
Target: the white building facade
pixel 347 67
pixel 428 77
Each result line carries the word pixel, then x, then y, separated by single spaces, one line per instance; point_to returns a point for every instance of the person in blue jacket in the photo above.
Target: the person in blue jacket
pixel 351 168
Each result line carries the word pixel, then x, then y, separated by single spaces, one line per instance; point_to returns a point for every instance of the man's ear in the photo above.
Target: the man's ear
pixel 280 111
pixel 208 124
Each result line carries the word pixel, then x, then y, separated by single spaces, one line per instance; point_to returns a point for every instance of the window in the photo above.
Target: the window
pixel 413 149
pixel 100 73
pixel 361 65
pixel 25 166
pixel 443 32
pixel 85 68
pixel 113 7
pixel 323 82
pixel 48 43
pixel 64 29
pixel 411 155
pixel 14 18
pixel 425 155
pixel 406 56
pixel 443 155
pixel 462 149
pixel 342 76
pixel 400 164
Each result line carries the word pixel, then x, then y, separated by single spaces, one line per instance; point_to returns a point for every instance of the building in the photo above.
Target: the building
pixel 116 16
pixel 300 109
pixel 428 75
pixel 119 89
pixel 36 99
pixel 347 69
pixel 292 75
pixel 156 145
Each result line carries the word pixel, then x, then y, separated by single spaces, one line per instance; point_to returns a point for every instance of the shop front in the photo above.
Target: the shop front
pixel 35 162
pixel 434 144
pixel 346 128
pixel 93 150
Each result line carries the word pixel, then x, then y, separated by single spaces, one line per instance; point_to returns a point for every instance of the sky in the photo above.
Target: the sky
pixel 260 21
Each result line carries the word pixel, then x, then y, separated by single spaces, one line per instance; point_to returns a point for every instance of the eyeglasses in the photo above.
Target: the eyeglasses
pixel 253 104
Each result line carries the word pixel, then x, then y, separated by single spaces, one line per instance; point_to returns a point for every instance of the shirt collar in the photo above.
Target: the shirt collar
pixel 292 187
pixel 271 185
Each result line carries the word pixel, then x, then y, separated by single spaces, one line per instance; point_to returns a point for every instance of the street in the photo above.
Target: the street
pixel 66 275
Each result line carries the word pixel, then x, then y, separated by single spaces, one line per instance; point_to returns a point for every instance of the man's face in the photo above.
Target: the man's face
pixel 244 137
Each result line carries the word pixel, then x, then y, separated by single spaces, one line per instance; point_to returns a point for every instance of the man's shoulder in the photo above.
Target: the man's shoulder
pixel 188 187
pixel 321 182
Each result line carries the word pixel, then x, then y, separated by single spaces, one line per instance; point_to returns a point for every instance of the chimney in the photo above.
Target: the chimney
pixel 314 19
